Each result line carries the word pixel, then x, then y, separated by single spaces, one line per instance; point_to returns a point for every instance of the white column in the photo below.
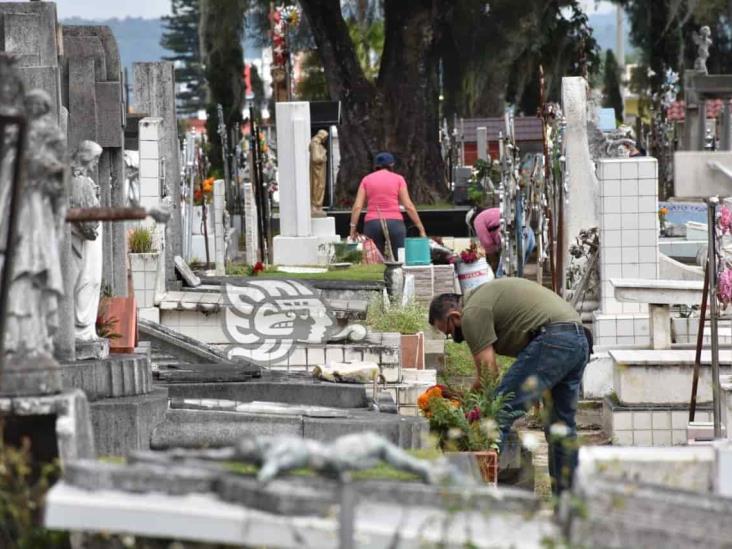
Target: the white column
pixel 251 231
pixel 580 210
pixel 297 244
pixel 482 142
pixel 293 138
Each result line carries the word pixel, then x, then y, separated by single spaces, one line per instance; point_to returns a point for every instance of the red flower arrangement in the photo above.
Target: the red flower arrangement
pixel 257 268
pixel 470 255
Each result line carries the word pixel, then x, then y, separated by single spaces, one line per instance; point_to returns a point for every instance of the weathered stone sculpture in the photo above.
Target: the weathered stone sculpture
pixel 355 452
pixel 86 242
pixel 37 281
pixel 703 40
pixel 318 163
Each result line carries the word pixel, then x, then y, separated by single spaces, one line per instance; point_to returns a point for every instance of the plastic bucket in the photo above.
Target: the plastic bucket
pixel 472 275
pixel 417 251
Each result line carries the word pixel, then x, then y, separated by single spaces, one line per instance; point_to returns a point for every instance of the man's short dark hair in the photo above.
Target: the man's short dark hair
pixel 442 305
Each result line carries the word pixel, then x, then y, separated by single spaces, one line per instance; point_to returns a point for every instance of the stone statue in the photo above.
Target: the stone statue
pixel 86 242
pixel 355 452
pixel 703 40
pixel 37 281
pixel 318 164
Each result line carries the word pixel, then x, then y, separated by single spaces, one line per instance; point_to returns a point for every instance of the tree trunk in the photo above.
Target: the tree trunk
pixel 399 113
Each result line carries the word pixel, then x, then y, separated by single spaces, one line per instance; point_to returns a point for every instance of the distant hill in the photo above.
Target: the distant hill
pixel 139 39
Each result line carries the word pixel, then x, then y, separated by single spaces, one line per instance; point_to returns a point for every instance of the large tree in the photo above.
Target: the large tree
pixel 399 111
pixel 611 94
pixel 221 31
pixel 181 38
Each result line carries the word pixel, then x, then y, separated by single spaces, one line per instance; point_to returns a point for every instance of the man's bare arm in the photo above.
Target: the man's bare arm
pixel 485 359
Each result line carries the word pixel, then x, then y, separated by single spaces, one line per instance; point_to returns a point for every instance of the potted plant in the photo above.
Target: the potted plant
pixel 143 265
pixel 466 424
pixel 472 270
pixel 408 320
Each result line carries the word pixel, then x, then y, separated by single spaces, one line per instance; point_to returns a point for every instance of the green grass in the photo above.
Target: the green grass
pixel 380 472
pixel 410 319
pixel 355 273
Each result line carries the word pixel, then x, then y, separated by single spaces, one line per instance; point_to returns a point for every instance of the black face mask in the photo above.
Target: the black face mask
pixel 457 334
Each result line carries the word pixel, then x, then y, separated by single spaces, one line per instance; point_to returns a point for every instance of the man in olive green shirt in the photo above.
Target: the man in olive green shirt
pixel 519 318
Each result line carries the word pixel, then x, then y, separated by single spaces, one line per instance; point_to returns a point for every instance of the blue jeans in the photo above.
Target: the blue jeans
pixel 550 367
pixel 529 245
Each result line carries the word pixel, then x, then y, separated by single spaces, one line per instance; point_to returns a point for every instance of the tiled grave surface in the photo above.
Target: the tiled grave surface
pixel 648 425
pixel 685 330
pixel 431 280
pixel 663 376
pixel 628 245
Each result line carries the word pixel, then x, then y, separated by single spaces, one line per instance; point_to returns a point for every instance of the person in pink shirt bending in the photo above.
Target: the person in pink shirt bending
pixel 487 227
pixel 382 191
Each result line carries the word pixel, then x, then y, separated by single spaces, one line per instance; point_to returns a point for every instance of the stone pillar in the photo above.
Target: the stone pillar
pixel 154 94
pixel 296 244
pixel 580 210
pixel 151 176
pixel 219 205
pixel 251 230
pixel 726 137
pixel 482 140
pixel 694 122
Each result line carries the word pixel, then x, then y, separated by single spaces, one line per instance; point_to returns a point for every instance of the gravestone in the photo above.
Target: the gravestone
pixel 482 139
pixel 296 244
pixel 92 92
pixel 186 273
pixel 154 93
pixel 29 32
pixel 580 209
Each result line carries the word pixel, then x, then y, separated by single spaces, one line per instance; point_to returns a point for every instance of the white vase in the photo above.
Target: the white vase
pixel 472 275
pixel 144 269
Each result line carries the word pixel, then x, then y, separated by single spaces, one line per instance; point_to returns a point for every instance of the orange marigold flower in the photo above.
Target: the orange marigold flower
pixel 663 211
pixel 423 401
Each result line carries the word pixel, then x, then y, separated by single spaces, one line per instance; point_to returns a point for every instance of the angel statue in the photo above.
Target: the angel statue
pixel 703 40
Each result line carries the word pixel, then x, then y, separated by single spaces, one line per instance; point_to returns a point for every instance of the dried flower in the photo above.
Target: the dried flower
pixel 724 287
pixel 725 220
pixel 473 415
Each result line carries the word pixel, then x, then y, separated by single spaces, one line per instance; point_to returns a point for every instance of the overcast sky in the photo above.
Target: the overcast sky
pixel 105 9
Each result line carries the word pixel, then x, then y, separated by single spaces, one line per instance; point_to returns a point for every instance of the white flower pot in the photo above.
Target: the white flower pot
pixel 472 275
pixel 144 269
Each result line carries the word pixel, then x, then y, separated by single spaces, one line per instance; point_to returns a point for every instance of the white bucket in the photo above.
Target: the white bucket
pixel 472 275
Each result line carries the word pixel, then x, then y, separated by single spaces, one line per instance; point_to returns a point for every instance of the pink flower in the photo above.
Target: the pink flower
pixel 473 415
pixel 725 220
pixel 724 287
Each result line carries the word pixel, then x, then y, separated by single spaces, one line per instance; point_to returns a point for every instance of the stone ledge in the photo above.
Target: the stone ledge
pixel 116 376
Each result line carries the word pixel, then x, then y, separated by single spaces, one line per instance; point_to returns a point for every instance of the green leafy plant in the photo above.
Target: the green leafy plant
pixel 476 188
pixel 345 253
pixel 22 490
pixel 106 324
pixel 140 240
pixel 467 422
pixel 408 319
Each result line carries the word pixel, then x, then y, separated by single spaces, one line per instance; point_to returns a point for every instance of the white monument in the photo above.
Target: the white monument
pixel 302 239
pixel 580 209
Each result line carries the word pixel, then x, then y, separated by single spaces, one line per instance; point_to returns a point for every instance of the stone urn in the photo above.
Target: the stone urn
pixel 394 280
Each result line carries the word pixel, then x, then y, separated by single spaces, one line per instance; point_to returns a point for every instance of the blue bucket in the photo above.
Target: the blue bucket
pixel 417 251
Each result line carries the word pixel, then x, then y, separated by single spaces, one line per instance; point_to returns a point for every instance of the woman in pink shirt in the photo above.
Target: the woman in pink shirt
pixel 383 191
